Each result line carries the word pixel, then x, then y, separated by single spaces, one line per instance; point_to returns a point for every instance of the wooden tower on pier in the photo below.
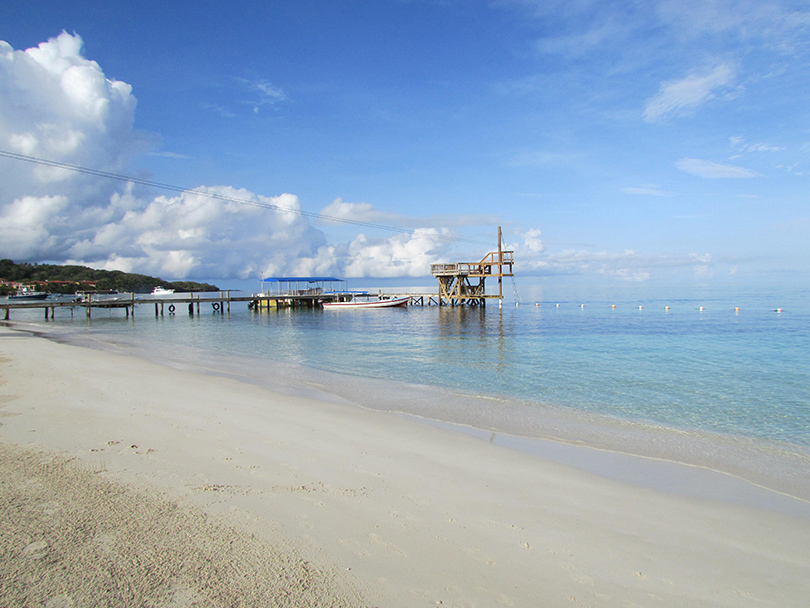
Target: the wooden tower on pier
pixel 465 282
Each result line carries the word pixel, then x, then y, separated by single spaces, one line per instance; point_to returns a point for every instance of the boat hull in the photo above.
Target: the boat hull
pixel 393 303
pixel 37 295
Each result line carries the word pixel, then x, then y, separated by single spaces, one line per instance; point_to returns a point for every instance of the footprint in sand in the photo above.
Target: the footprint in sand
pixel 59 601
pixel 35 550
pixel 376 540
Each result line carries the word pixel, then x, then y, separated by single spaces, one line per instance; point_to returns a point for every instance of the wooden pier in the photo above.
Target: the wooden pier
pixel 169 305
pixel 195 304
pixel 465 282
pixel 460 283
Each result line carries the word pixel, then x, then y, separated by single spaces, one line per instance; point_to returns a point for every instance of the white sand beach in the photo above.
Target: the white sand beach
pixel 147 485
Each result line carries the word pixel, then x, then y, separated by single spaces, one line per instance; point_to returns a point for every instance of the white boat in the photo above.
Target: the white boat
pixel 159 291
pixel 95 295
pixel 355 303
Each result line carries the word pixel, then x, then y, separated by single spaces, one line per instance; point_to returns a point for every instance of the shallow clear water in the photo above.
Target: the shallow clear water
pixel 744 373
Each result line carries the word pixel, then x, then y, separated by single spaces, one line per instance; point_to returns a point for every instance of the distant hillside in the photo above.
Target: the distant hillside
pixel 70 279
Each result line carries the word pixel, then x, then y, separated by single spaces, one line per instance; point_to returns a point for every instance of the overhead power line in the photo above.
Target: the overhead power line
pixel 221 197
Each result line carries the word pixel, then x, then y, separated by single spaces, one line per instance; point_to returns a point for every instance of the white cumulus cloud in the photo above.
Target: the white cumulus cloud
pixel 398 256
pixel 23 231
pixel 210 231
pixel 532 245
pixel 58 105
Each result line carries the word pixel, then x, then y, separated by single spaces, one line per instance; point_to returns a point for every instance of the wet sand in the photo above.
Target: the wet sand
pixel 126 478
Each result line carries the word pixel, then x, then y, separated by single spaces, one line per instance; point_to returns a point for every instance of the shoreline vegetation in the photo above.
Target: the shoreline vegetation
pixel 68 279
pixel 388 510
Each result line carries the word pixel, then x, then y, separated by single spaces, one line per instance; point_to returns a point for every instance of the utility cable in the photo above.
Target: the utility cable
pixel 221 197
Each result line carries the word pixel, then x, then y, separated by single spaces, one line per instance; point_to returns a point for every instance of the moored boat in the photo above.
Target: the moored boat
pixel 26 293
pixel 356 303
pixel 160 291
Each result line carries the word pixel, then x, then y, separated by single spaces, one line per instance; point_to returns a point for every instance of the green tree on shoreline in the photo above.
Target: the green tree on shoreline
pixel 70 279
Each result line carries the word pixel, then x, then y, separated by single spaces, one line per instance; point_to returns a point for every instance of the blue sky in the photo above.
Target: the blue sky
pixel 636 141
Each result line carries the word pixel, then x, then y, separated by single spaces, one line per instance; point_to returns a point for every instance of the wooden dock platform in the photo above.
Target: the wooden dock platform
pixel 127 301
pixel 463 283
pixel 220 302
pixel 194 304
pixel 460 283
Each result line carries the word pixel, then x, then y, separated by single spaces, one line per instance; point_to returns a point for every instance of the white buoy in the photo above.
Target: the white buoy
pixel 666 307
pixel 701 309
pixel 778 310
pixel 641 308
pixel 582 306
pixel 517 303
pixel 537 303
pixel 558 305
pixel 613 306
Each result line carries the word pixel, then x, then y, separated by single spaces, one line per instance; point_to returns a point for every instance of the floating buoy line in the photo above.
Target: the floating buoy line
pixel 667 308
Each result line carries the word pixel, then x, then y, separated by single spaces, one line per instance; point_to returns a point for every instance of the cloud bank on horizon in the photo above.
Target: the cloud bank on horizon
pixel 60 106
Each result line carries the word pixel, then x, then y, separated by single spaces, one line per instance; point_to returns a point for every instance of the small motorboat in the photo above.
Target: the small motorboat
pixel 96 295
pixel 358 303
pixel 160 291
pixel 26 293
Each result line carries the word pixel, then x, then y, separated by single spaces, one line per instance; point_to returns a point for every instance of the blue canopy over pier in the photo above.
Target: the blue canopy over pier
pixel 302 286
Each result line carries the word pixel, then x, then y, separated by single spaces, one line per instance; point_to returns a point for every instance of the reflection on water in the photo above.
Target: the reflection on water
pixel 478 339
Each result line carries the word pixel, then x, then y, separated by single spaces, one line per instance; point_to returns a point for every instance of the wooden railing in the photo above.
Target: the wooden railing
pixel 475 269
pixel 491 259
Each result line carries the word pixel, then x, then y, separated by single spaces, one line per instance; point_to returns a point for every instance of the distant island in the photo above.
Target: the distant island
pixel 70 279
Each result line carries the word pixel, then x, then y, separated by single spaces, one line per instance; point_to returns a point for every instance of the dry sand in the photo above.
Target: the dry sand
pixel 72 538
pixel 126 483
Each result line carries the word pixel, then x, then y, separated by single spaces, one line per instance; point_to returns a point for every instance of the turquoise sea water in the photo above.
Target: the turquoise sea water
pixel 742 372
pixel 739 374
